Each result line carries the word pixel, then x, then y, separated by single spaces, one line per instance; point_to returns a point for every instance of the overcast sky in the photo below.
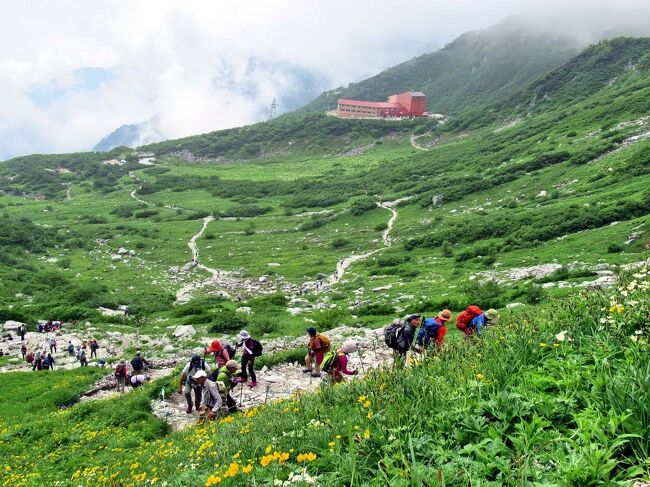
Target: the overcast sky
pixel 73 71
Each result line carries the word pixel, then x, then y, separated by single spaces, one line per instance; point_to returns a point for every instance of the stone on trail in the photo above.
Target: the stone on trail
pixel 244 309
pixel 122 251
pixel 188 266
pixel 116 258
pixel 174 269
pixel 295 311
pixel 382 288
pixel 185 331
pixel 169 349
pixel 513 305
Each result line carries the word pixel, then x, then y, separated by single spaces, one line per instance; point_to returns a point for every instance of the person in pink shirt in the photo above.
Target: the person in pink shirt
pixel 340 365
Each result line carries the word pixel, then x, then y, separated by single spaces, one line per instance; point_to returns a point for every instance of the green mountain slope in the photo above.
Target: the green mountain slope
pixel 475 69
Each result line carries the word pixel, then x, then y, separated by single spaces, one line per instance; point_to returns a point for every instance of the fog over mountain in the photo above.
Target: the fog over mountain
pixel 71 73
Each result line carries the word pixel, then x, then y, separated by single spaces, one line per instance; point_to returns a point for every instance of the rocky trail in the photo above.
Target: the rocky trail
pixel 286 379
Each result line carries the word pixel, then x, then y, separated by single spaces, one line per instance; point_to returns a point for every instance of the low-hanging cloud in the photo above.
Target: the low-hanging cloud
pixel 204 65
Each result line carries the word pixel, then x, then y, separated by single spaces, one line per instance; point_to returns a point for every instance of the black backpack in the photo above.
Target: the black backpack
pixel 232 351
pixel 392 333
pixel 137 363
pixel 257 348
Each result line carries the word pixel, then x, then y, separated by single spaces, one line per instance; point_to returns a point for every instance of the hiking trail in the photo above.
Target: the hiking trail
pixel 414 143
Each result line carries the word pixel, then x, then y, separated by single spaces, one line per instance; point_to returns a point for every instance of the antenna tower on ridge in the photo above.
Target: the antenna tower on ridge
pixel 274 109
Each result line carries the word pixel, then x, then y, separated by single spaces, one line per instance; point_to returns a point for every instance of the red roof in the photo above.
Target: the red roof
pixel 370 104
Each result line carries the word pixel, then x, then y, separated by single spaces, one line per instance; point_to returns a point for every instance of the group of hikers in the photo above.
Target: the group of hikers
pixel 208 388
pixel 136 376
pixel 44 360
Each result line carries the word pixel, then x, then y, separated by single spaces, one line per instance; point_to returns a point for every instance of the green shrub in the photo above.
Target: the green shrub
pixel 614 248
pixel 339 243
pixel 375 309
pixel 228 320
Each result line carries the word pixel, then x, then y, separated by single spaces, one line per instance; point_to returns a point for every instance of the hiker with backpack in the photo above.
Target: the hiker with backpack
pixel 70 348
pixel 465 318
pixel 335 364
pixel 187 383
pixel 226 375
pixel 488 318
pixel 138 363
pixel 121 373
pixel 222 353
pixel 211 395
pixel 399 336
pixel 23 350
pixel 251 350
pixel 48 362
pixel 83 360
pixel 138 379
pixel 433 329
pixel 38 361
pixel 317 347
pixel 93 348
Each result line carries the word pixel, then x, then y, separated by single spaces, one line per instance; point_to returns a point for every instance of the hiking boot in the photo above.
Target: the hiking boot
pixel 189 409
pixel 314 374
pixel 306 370
pixel 252 384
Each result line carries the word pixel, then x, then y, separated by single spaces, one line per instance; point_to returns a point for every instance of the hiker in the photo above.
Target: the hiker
pixel 138 363
pixel 399 336
pixel 120 375
pixel 187 383
pixel 138 379
pixel 48 363
pixel 41 328
pixel 38 361
pixel 433 328
pixel 51 342
pixel 251 350
pixel 464 319
pixel 93 348
pixel 70 348
pixel 317 347
pixel 222 353
pixel 337 364
pixel 488 318
pixel 226 375
pixel 211 396
pixel 83 359
pixel 23 350
pixel 84 344
pixel 29 358
pixel 2 354
pixel 21 331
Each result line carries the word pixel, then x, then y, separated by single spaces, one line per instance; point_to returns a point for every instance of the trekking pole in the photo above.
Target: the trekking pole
pixel 374 346
pixel 241 393
pixel 267 393
pixel 361 361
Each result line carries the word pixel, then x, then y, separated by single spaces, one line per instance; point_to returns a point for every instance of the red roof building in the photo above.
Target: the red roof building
pixel 409 104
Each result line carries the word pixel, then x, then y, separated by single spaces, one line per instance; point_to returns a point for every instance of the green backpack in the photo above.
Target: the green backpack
pixel 329 359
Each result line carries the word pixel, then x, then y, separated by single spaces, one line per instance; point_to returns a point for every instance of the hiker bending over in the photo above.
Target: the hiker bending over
pixel 337 364
pixel 488 318
pixel 317 347
pixel 399 336
pixel 226 375
pixel 138 379
pixel 433 328
pixel 48 362
pixel 464 320
pixel 83 359
pixel 251 350
pixel 211 396
pixel 222 353
pixel 187 383
pixel 120 375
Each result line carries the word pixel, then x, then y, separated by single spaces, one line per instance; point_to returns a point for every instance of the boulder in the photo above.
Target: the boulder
pixel 131 253
pixel 11 325
pixel 382 288
pixel 513 305
pixel 174 269
pixel 188 266
pixel 263 278
pixel 548 285
pixel 169 349
pixel 295 311
pixel 438 200
pixel 116 258
pixel 244 309
pixel 122 251
pixel 185 331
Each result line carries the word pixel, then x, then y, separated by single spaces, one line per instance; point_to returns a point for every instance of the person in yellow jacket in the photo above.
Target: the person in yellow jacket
pixel 317 346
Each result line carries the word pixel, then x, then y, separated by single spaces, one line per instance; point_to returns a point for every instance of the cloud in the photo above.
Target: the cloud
pixel 71 72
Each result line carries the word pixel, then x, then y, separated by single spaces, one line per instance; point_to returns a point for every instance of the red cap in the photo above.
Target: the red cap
pixel 215 346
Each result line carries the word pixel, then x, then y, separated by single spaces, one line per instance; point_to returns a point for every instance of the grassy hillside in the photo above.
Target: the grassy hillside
pixel 555 394
pixel 476 69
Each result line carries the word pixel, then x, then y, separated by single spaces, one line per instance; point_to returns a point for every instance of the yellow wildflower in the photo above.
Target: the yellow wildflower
pixel 212 480
pixel 247 469
pixel 480 376
pixel 331 443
